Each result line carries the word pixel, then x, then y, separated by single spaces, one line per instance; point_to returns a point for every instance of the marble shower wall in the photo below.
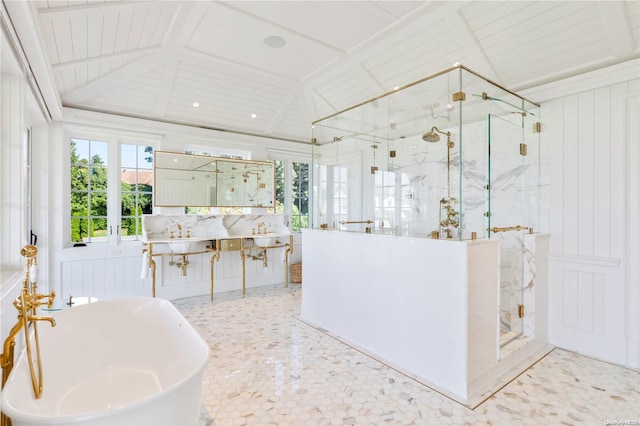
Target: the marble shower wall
pixel 514 199
pixel 422 170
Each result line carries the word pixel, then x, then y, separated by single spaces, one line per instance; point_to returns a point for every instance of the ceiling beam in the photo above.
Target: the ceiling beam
pixel 463 32
pixel 83 9
pixel 366 74
pixel 305 96
pixel 387 37
pixel 618 28
pixel 205 60
pixel 185 21
pixel 113 78
pixel 284 28
pixel 317 95
pixel 166 87
pixel 110 57
pixel 282 110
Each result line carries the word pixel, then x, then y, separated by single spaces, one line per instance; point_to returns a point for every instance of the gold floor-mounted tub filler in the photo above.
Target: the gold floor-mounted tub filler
pixel 27 304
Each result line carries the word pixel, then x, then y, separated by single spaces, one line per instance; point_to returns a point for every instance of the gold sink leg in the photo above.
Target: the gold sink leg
pixel 214 257
pixel 287 253
pixel 244 272
pixel 152 265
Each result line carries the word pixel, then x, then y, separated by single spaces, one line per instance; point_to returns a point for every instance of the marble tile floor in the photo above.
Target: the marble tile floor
pixel 269 368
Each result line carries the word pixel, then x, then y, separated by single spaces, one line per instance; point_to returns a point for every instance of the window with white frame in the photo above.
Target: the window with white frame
pixel 384 200
pixel 300 199
pixel 340 191
pixel 89 189
pixel 292 192
pixel 136 183
pixel 393 201
pixel 107 201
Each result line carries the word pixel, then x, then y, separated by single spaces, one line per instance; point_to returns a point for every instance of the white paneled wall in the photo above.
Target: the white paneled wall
pixel 593 279
pixel 12 127
pixel 103 278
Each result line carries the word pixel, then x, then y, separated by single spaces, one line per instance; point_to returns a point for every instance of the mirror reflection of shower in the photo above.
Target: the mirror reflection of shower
pixel 246 176
pixel 449 216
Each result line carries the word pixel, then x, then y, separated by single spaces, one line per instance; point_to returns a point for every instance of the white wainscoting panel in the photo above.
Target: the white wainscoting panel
pixel 113 277
pixel 586 308
pixel 103 278
pixel 593 295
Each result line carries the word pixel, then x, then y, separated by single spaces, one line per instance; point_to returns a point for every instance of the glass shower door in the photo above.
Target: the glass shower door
pixel 507 212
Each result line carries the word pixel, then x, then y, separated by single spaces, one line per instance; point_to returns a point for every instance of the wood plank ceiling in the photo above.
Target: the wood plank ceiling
pixel 154 59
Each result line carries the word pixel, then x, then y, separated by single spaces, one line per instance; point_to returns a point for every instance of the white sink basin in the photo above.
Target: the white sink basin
pixel 183 245
pixel 264 240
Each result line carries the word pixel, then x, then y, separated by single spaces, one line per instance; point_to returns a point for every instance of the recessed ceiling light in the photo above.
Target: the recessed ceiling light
pixel 254 115
pixel 274 41
pixel 196 104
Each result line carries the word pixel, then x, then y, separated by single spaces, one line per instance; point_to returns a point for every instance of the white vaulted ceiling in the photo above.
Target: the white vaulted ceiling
pixel 153 59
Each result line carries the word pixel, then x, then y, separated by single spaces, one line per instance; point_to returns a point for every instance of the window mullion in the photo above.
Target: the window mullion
pixel 113 194
pixel 288 191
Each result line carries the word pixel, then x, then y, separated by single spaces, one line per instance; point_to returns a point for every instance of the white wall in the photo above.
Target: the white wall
pixel 590 124
pixel 11 202
pixel 18 112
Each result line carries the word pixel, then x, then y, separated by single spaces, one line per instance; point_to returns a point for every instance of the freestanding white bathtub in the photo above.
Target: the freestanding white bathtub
pixel 130 361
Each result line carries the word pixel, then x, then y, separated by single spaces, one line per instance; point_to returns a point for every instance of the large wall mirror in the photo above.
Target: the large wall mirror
pixel 187 180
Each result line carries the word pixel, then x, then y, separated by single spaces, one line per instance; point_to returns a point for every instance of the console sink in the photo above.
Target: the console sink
pixel 264 240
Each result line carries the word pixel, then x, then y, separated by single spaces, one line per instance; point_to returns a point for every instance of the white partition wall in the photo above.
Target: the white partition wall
pixel 591 127
pixel 429 307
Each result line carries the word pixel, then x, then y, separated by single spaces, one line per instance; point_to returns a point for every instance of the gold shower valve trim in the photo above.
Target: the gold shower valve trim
pixel 523 149
pixel 29 251
pixel 459 96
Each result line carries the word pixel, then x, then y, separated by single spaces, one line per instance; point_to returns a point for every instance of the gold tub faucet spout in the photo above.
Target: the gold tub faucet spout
pixel 42 318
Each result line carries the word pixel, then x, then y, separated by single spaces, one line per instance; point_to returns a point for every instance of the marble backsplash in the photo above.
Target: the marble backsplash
pixel 155 227
pixel 245 224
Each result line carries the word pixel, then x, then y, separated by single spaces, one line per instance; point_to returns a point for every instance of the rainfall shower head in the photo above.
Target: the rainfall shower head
pixel 433 136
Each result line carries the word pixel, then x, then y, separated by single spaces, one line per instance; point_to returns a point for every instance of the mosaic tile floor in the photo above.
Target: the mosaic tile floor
pixel 269 368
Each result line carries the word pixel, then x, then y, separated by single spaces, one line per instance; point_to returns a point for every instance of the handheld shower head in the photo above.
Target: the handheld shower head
pixel 432 135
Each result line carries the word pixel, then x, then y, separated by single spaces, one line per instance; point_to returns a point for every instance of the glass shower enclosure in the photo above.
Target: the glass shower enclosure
pixel 452 156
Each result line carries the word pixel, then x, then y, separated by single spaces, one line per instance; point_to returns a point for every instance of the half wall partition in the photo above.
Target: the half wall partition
pixel 453 157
